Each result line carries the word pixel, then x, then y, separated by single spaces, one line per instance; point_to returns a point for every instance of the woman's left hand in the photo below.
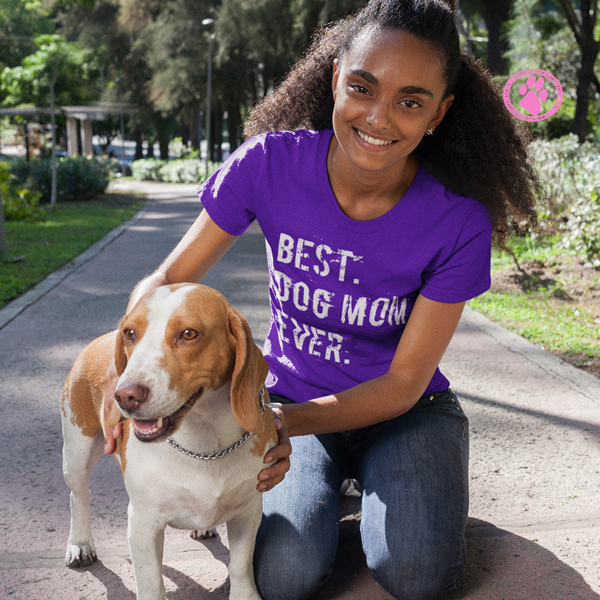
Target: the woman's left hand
pixel 268 478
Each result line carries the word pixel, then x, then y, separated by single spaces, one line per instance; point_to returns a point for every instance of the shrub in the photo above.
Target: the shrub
pixel 174 171
pixel 18 203
pixel 77 177
pixel 147 169
pixel 571 172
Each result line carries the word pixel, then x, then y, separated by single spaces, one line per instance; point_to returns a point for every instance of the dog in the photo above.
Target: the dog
pixel 197 428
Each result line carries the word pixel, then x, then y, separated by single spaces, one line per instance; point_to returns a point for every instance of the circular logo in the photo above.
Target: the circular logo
pixel 532 94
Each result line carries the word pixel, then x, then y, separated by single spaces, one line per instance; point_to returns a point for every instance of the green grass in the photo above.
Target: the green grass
pixel 66 232
pixel 545 316
pixel 555 326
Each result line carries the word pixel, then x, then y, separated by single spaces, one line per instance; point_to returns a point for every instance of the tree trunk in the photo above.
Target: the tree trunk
pixel 216 132
pixel 234 125
pixel 496 13
pixel 139 144
pixel 584 87
pixel 193 120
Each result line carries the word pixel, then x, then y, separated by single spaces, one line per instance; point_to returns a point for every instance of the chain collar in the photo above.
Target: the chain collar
pixel 231 448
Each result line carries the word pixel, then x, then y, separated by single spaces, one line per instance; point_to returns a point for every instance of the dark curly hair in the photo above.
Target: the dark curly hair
pixel 478 149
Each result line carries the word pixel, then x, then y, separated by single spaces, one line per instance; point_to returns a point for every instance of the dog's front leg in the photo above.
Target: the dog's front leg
pixel 146 544
pixel 241 531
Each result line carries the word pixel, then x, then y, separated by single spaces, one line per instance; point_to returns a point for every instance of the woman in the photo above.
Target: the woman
pixel 394 165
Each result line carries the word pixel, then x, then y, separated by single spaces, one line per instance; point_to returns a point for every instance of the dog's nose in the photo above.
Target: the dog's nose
pixel 131 395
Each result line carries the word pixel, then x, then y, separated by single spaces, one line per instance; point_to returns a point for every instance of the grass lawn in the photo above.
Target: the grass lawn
pixel 66 232
pixel 551 298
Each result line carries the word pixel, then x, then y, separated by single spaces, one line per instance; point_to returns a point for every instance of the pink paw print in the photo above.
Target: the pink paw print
pixel 532 102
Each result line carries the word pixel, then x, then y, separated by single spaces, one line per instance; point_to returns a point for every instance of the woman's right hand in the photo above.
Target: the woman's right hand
pixel 110 414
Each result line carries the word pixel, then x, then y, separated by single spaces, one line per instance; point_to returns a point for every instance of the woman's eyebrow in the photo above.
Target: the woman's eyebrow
pixel 409 89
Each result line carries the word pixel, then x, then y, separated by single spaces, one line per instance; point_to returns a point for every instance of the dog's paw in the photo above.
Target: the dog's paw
pixel 80 555
pixel 203 534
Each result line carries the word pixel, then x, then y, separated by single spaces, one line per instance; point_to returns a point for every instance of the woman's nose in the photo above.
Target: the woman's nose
pixel 379 115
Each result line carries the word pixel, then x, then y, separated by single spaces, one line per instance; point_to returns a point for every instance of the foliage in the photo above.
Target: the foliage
pixel 542 39
pixel 571 173
pixel 18 202
pixel 174 171
pixel 77 177
pixel 29 83
pixel 20 23
pixel 147 169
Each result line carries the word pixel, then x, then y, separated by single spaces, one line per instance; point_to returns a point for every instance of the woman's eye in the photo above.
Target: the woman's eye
pixel 410 103
pixel 189 334
pixel 360 89
pixel 129 334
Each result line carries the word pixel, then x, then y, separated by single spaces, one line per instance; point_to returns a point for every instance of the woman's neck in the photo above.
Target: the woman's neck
pixel 364 195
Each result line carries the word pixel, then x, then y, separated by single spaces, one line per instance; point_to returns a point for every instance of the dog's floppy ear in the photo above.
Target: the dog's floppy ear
pixel 249 373
pixel 120 356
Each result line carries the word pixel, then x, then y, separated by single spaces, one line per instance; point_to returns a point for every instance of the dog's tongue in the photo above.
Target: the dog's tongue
pixel 146 426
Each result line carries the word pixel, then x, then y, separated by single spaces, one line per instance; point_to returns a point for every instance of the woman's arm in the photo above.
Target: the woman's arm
pixel 428 332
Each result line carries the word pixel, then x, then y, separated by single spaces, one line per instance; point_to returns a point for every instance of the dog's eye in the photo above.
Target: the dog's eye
pixel 129 334
pixel 189 334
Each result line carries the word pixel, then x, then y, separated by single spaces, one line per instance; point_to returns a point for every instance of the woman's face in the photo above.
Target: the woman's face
pixel 388 90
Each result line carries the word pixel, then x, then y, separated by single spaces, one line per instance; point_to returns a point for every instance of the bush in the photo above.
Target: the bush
pixel 174 171
pixel 147 169
pixel 18 203
pixel 571 172
pixel 77 177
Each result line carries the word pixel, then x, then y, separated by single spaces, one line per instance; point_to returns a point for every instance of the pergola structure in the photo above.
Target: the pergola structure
pixel 29 113
pixel 85 115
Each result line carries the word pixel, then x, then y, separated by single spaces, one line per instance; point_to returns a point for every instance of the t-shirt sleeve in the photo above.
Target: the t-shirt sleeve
pixel 228 194
pixel 465 273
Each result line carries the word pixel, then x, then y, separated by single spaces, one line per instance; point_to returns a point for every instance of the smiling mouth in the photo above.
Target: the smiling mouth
pixel 155 429
pixel 372 140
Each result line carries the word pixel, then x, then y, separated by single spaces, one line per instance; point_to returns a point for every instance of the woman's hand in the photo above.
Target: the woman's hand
pixel 271 476
pixel 110 414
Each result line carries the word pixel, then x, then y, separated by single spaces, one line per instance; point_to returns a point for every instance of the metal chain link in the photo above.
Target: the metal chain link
pixel 213 456
pixel 229 450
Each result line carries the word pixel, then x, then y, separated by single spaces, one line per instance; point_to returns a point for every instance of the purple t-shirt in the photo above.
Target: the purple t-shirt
pixel 342 290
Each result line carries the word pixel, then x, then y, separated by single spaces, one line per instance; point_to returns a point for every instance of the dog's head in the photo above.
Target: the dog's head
pixel 178 342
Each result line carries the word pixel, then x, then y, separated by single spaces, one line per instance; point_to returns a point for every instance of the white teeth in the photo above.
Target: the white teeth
pixel 159 424
pixel 373 141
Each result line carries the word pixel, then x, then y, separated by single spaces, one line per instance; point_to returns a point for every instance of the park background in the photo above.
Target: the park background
pixel 143 68
pixel 147 74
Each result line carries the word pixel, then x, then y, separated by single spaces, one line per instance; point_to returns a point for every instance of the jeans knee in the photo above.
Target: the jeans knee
pixel 290 564
pixel 297 579
pixel 416 580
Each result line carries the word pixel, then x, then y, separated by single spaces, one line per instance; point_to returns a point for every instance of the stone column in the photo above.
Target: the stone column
pixel 72 143
pixel 86 137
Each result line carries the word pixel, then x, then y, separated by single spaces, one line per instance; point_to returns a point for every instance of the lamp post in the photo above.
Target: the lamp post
pixel 208 23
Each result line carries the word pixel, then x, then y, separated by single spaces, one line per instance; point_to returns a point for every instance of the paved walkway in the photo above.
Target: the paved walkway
pixel 534 531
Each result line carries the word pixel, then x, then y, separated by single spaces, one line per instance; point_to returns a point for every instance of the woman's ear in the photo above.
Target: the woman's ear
pixel 445 104
pixel 336 74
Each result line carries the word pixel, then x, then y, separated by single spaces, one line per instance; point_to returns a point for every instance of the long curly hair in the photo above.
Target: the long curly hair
pixel 478 149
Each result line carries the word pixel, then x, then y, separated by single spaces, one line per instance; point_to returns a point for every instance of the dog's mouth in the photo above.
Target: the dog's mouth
pixel 155 429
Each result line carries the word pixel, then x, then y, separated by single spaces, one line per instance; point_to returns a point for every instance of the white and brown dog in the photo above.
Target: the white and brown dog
pixel 191 382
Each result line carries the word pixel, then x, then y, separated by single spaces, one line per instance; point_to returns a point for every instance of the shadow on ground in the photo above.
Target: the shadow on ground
pixel 500 565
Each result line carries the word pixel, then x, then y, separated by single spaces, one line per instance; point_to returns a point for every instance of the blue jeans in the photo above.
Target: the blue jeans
pixel 413 472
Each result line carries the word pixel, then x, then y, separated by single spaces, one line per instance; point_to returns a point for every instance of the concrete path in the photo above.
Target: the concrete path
pixel 534 531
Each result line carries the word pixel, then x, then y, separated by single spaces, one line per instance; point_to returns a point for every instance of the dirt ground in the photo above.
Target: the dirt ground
pixel 560 280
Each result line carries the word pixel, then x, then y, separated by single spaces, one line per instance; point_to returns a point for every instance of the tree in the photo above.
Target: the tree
pixel 20 23
pixel 583 25
pixel 541 37
pixel 496 13
pixel 28 83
